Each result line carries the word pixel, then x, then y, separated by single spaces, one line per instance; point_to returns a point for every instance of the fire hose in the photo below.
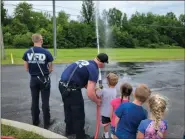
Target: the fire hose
pixel 97 122
pixel 98 115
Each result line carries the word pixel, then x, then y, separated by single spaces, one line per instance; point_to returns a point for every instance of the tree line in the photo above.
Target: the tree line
pixel 116 30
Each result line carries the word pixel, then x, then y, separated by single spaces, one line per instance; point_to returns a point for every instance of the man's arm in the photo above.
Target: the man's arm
pixel 25 61
pixel 50 67
pixel 91 92
pixel 26 65
pixel 99 92
pixel 50 60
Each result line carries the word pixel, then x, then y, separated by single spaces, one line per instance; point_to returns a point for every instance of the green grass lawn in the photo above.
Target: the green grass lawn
pixel 119 55
pixel 18 133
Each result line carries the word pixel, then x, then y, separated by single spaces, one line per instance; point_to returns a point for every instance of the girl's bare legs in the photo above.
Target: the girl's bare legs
pixel 106 131
pixel 113 136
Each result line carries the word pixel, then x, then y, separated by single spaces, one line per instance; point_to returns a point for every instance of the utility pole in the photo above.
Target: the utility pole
pixel 54 30
pixel 2 45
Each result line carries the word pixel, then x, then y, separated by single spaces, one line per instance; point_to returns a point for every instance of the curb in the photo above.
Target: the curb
pixel 43 132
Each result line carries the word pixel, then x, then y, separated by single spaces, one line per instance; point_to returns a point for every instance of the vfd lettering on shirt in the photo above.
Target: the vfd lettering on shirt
pixel 37 57
pixel 82 63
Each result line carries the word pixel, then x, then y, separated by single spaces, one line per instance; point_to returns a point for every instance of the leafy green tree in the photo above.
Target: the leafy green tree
pixel 39 20
pixel 22 40
pixel 87 12
pixel 3 13
pixel 17 27
pixel 182 19
pixel 141 30
pixel 114 17
pixel 23 12
pixel 62 18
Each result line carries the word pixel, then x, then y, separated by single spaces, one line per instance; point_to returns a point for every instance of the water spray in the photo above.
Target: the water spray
pixel 98 44
pixel 100 79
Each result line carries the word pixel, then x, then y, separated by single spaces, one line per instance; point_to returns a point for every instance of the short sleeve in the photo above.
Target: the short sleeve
pixel 120 111
pixel 99 93
pixel 93 74
pixel 166 124
pixel 141 127
pixel 49 56
pixel 25 56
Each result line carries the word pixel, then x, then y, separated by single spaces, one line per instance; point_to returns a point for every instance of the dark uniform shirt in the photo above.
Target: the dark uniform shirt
pixel 87 70
pixel 43 57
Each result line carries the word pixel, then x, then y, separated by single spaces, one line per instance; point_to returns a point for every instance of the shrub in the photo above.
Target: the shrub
pixel 22 41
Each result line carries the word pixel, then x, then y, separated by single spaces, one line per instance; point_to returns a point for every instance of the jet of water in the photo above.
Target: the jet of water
pixel 97 31
pixel 107 32
pixel 97 35
pixel 108 38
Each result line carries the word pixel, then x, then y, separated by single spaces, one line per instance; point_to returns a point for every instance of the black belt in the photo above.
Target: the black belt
pixel 71 85
pixel 39 75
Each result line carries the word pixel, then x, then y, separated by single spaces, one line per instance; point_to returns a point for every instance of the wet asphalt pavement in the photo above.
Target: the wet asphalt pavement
pixel 166 78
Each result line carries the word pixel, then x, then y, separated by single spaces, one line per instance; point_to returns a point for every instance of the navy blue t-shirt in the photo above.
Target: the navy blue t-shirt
pixel 130 116
pixel 87 70
pixel 43 57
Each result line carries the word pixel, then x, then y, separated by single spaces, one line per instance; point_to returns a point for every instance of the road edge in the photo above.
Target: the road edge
pixel 43 132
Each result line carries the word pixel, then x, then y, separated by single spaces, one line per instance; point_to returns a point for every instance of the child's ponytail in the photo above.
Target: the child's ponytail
pixel 157 106
pixel 126 90
pixel 157 121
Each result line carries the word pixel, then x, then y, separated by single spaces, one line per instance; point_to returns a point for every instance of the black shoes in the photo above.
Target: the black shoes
pixel 73 136
pixel 47 125
pixel 69 134
pixel 88 137
pixel 36 123
pixel 69 131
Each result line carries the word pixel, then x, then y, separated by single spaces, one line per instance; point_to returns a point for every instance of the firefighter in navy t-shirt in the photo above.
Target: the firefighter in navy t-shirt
pixel 79 74
pixel 39 83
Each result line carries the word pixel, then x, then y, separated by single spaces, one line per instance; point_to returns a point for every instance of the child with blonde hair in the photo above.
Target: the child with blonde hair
pixel 126 90
pixel 154 127
pixel 130 114
pixel 107 94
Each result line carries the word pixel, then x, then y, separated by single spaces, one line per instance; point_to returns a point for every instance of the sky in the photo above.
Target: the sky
pixel 129 7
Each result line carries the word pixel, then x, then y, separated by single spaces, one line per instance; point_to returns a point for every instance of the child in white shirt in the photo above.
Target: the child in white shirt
pixel 107 95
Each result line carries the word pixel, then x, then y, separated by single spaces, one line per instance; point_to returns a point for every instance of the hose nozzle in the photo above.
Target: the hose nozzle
pixel 100 84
